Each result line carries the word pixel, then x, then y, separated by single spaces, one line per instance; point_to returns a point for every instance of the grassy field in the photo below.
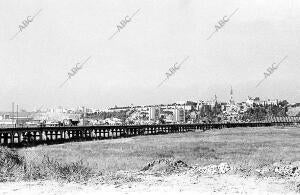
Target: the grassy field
pixel 247 148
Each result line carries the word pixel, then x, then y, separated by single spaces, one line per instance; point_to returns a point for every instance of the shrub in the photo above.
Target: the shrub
pixel 15 167
pixel 10 164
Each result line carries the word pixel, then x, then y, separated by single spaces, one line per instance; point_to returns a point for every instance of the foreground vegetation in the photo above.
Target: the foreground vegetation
pixel 14 167
pixel 244 148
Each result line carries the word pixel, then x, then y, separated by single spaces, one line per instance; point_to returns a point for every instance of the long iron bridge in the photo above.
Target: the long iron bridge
pixel 20 137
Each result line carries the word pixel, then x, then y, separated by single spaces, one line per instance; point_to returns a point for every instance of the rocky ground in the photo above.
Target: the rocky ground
pixel 170 176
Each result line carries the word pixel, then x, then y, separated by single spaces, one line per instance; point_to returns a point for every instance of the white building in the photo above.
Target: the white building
pixel 154 113
pixel 179 115
pixel 251 101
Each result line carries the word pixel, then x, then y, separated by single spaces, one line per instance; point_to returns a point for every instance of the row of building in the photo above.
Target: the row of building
pixel 188 111
pixel 179 112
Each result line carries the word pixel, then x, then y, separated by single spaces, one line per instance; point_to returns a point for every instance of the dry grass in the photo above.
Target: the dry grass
pixel 244 148
pixel 49 169
pixel 14 167
pixel 11 164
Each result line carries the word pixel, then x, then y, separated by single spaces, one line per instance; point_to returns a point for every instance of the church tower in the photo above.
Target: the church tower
pixel 215 101
pixel 231 96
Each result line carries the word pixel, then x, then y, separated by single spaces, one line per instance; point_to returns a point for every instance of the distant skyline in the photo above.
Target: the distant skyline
pixel 127 69
pixel 111 106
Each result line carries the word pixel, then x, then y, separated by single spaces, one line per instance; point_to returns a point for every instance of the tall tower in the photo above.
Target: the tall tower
pixel 13 113
pixel 216 100
pixel 231 96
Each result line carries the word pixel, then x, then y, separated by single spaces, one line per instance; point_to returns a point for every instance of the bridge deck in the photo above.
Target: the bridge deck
pixel 31 136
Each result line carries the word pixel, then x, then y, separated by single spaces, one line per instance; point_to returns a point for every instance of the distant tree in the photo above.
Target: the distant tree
pixel 255 113
pixel 296 105
pixel 162 120
pixel 283 103
pixel 260 112
pixel 217 109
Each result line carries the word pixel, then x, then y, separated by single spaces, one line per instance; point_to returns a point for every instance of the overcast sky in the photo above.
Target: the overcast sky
pixel 128 68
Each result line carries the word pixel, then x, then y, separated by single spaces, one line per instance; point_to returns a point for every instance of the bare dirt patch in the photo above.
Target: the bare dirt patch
pixel 165 166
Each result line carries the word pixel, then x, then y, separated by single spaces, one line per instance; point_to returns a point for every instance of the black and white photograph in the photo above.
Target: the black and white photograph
pixel 134 97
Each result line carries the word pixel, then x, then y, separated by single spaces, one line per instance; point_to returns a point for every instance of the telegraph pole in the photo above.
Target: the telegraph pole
pixel 17 115
pixel 83 116
pixel 12 117
pixel 184 112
